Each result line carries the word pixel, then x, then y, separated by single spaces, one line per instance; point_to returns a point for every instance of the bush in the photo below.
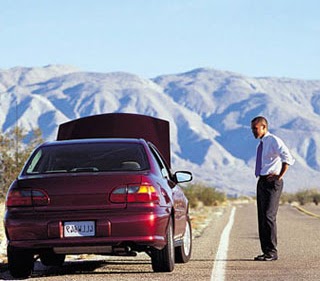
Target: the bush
pixel 287 197
pixel 13 154
pixel 316 198
pixel 302 197
pixel 209 196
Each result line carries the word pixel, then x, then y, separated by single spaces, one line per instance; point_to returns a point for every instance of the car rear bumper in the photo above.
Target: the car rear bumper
pixel 131 228
pixel 92 245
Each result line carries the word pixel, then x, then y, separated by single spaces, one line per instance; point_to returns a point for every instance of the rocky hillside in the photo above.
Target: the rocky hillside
pixel 209 112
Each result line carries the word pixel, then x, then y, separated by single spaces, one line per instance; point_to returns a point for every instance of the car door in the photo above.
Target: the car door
pixel 179 202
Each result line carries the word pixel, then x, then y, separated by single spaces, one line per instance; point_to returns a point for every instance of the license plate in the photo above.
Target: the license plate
pixel 79 228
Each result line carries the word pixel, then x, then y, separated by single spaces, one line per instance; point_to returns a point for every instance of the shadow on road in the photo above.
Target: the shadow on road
pixel 227 260
pixel 112 267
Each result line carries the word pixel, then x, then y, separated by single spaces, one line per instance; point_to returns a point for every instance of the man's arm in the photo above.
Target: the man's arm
pixel 284 169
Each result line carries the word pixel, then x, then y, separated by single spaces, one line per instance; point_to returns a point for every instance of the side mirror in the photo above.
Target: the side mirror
pixel 183 176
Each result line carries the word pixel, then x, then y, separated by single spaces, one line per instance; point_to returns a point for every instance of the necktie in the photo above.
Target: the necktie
pixel 259 159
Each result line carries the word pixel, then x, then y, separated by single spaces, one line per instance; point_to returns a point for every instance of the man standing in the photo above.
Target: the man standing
pixel 273 160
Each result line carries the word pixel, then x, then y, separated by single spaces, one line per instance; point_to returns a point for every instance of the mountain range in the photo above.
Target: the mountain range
pixel 209 112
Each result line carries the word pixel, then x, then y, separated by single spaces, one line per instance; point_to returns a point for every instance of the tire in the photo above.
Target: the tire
pixel 164 260
pixel 183 252
pixel 52 259
pixel 20 262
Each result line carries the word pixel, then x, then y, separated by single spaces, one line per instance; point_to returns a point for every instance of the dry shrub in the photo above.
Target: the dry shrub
pixel 199 192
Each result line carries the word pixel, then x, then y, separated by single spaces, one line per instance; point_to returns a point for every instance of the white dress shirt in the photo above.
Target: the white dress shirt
pixel 274 153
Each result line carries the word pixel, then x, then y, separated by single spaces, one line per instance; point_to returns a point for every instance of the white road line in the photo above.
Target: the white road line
pixel 218 271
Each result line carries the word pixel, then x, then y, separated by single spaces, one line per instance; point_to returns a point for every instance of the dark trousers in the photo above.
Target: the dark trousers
pixel 268 196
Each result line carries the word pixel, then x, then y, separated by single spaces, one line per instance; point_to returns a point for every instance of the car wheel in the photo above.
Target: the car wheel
pixel 183 252
pixel 20 262
pixel 51 259
pixel 163 260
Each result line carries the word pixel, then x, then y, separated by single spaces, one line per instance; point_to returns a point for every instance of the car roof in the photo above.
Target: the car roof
pixel 94 141
pixel 120 125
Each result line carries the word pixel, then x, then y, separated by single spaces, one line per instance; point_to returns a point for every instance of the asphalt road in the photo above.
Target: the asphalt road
pixel 299 245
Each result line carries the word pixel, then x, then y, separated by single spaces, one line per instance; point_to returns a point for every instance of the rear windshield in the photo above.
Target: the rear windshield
pixel 87 157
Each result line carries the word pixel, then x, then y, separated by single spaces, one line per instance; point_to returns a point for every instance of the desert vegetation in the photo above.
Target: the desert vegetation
pixel 303 197
pixel 201 194
pixel 15 147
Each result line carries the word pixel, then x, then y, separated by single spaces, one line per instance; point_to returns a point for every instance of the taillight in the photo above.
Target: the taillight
pixel 19 198
pixel 142 193
pixel 40 198
pixel 119 195
pixel 27 198
pixel 135 194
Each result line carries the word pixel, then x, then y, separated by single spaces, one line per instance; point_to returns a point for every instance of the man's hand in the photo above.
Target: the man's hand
pixel 273 177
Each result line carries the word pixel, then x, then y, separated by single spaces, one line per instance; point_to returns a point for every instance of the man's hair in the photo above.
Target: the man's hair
pixel 260 119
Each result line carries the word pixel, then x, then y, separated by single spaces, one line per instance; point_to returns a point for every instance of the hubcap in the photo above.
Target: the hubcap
pixel 187 240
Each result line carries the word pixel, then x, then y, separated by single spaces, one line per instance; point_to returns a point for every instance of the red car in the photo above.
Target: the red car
pixel 102 188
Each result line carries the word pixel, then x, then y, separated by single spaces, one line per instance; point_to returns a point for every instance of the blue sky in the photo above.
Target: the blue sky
pixel 153 37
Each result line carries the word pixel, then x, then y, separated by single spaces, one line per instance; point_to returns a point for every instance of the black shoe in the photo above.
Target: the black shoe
pixel 265 257
pixel 259 258
pixel 270 257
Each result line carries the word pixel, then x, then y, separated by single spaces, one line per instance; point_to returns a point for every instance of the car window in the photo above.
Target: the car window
pixel 88 157
pixel 164 170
